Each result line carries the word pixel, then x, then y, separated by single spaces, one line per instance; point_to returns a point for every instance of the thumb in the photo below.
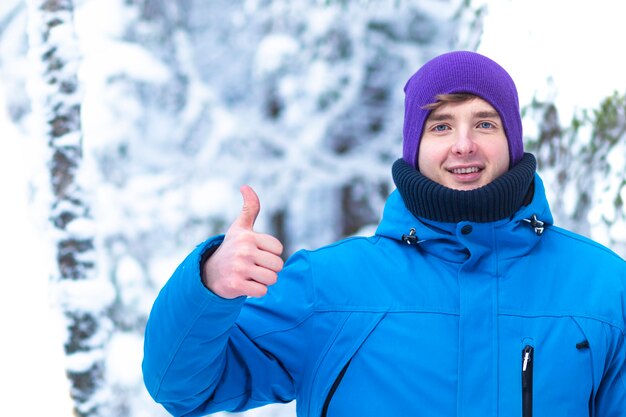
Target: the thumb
pixel 250 209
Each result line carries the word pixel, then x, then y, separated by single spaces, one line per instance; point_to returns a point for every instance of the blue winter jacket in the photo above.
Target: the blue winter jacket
pixel 421 319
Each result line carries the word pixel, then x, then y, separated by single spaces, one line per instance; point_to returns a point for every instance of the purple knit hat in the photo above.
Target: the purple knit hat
pixel 461 72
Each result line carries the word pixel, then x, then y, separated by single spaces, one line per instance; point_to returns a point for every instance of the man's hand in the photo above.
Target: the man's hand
pixel 246 262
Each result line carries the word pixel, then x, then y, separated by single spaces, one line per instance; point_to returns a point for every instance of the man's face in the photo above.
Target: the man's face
pixel 463 145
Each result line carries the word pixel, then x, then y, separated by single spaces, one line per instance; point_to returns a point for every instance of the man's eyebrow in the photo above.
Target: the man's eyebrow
pixel 487 114
pixel 439 117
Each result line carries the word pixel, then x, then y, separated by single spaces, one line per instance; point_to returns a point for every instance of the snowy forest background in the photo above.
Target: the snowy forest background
pixel 138 120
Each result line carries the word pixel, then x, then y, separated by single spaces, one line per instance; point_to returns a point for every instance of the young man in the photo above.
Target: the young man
pixel 466 302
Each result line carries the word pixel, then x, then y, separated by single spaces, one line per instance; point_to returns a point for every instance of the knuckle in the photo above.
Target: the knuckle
pixel 260 291
pixel 224 290
pixel 281 264
pixel 276 245
pixel 238 267
pixel 273 278
pixel 246 251
pixel 236 287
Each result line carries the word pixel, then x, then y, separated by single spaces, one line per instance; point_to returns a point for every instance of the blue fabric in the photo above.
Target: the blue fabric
pixel 436 328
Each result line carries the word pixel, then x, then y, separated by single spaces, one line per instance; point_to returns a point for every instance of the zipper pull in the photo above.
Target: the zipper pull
pixel 527 359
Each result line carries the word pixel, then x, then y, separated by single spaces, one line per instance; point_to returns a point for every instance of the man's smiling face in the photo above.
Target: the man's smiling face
pixel 463 146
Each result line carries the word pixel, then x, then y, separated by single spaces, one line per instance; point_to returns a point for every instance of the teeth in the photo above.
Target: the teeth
pixel 465 170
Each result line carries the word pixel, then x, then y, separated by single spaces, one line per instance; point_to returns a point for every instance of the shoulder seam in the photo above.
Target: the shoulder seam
pixel 582 239
pixel 371 239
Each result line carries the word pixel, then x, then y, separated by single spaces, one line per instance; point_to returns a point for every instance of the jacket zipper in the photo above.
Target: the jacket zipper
pixel 527 380
pixel 329 397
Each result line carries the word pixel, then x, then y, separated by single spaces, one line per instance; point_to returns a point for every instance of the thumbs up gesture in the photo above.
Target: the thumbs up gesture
pixel 246 262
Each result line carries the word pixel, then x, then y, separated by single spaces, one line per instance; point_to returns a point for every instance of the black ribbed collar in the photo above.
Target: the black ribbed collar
pixel 497 200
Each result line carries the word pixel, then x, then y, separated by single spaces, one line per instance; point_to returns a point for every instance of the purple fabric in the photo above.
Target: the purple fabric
pixel 461 72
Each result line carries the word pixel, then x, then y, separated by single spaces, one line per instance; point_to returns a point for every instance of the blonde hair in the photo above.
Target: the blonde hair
pixel 449 98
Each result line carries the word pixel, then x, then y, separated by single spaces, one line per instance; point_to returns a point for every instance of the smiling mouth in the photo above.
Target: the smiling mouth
pixel 469 170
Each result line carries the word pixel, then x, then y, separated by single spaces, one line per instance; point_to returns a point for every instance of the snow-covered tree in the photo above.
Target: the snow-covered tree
pixel 56 92
pixel 185 101
pixel 583 162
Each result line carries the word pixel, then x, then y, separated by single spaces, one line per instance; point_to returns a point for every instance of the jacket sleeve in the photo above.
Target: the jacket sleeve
pixel 200 352
pixel 610 398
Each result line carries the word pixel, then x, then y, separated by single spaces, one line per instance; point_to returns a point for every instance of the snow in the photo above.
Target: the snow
pixel 321 20
pixel 274 52
pixel 124 351
pixel 82 361
pixel 85 295
pixel 535 41
pixel 31 352
pixel 81 228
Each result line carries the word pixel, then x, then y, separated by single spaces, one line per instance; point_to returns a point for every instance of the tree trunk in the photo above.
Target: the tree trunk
pixel 55 51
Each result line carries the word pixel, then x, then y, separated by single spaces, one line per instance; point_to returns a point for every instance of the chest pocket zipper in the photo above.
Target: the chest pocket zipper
pixel 527 380
pixel 329 397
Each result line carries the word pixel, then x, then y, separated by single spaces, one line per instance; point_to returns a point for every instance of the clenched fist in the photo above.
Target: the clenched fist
pixel 246 262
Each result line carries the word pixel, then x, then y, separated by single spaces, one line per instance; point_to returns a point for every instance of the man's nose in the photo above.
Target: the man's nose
pixel 464 142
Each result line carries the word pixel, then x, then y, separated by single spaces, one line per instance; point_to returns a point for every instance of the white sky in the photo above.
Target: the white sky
pixel 577 43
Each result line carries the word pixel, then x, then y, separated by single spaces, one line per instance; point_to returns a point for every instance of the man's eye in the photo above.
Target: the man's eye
pixel 485 125
pixel 440 128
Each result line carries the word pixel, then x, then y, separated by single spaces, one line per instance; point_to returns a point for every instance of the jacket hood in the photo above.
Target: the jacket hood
pixel 517 234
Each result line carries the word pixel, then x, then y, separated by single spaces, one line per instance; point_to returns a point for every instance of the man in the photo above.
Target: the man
pixel 466 302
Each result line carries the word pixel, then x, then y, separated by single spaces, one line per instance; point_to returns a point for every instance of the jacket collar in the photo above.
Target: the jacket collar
pixel 515 234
